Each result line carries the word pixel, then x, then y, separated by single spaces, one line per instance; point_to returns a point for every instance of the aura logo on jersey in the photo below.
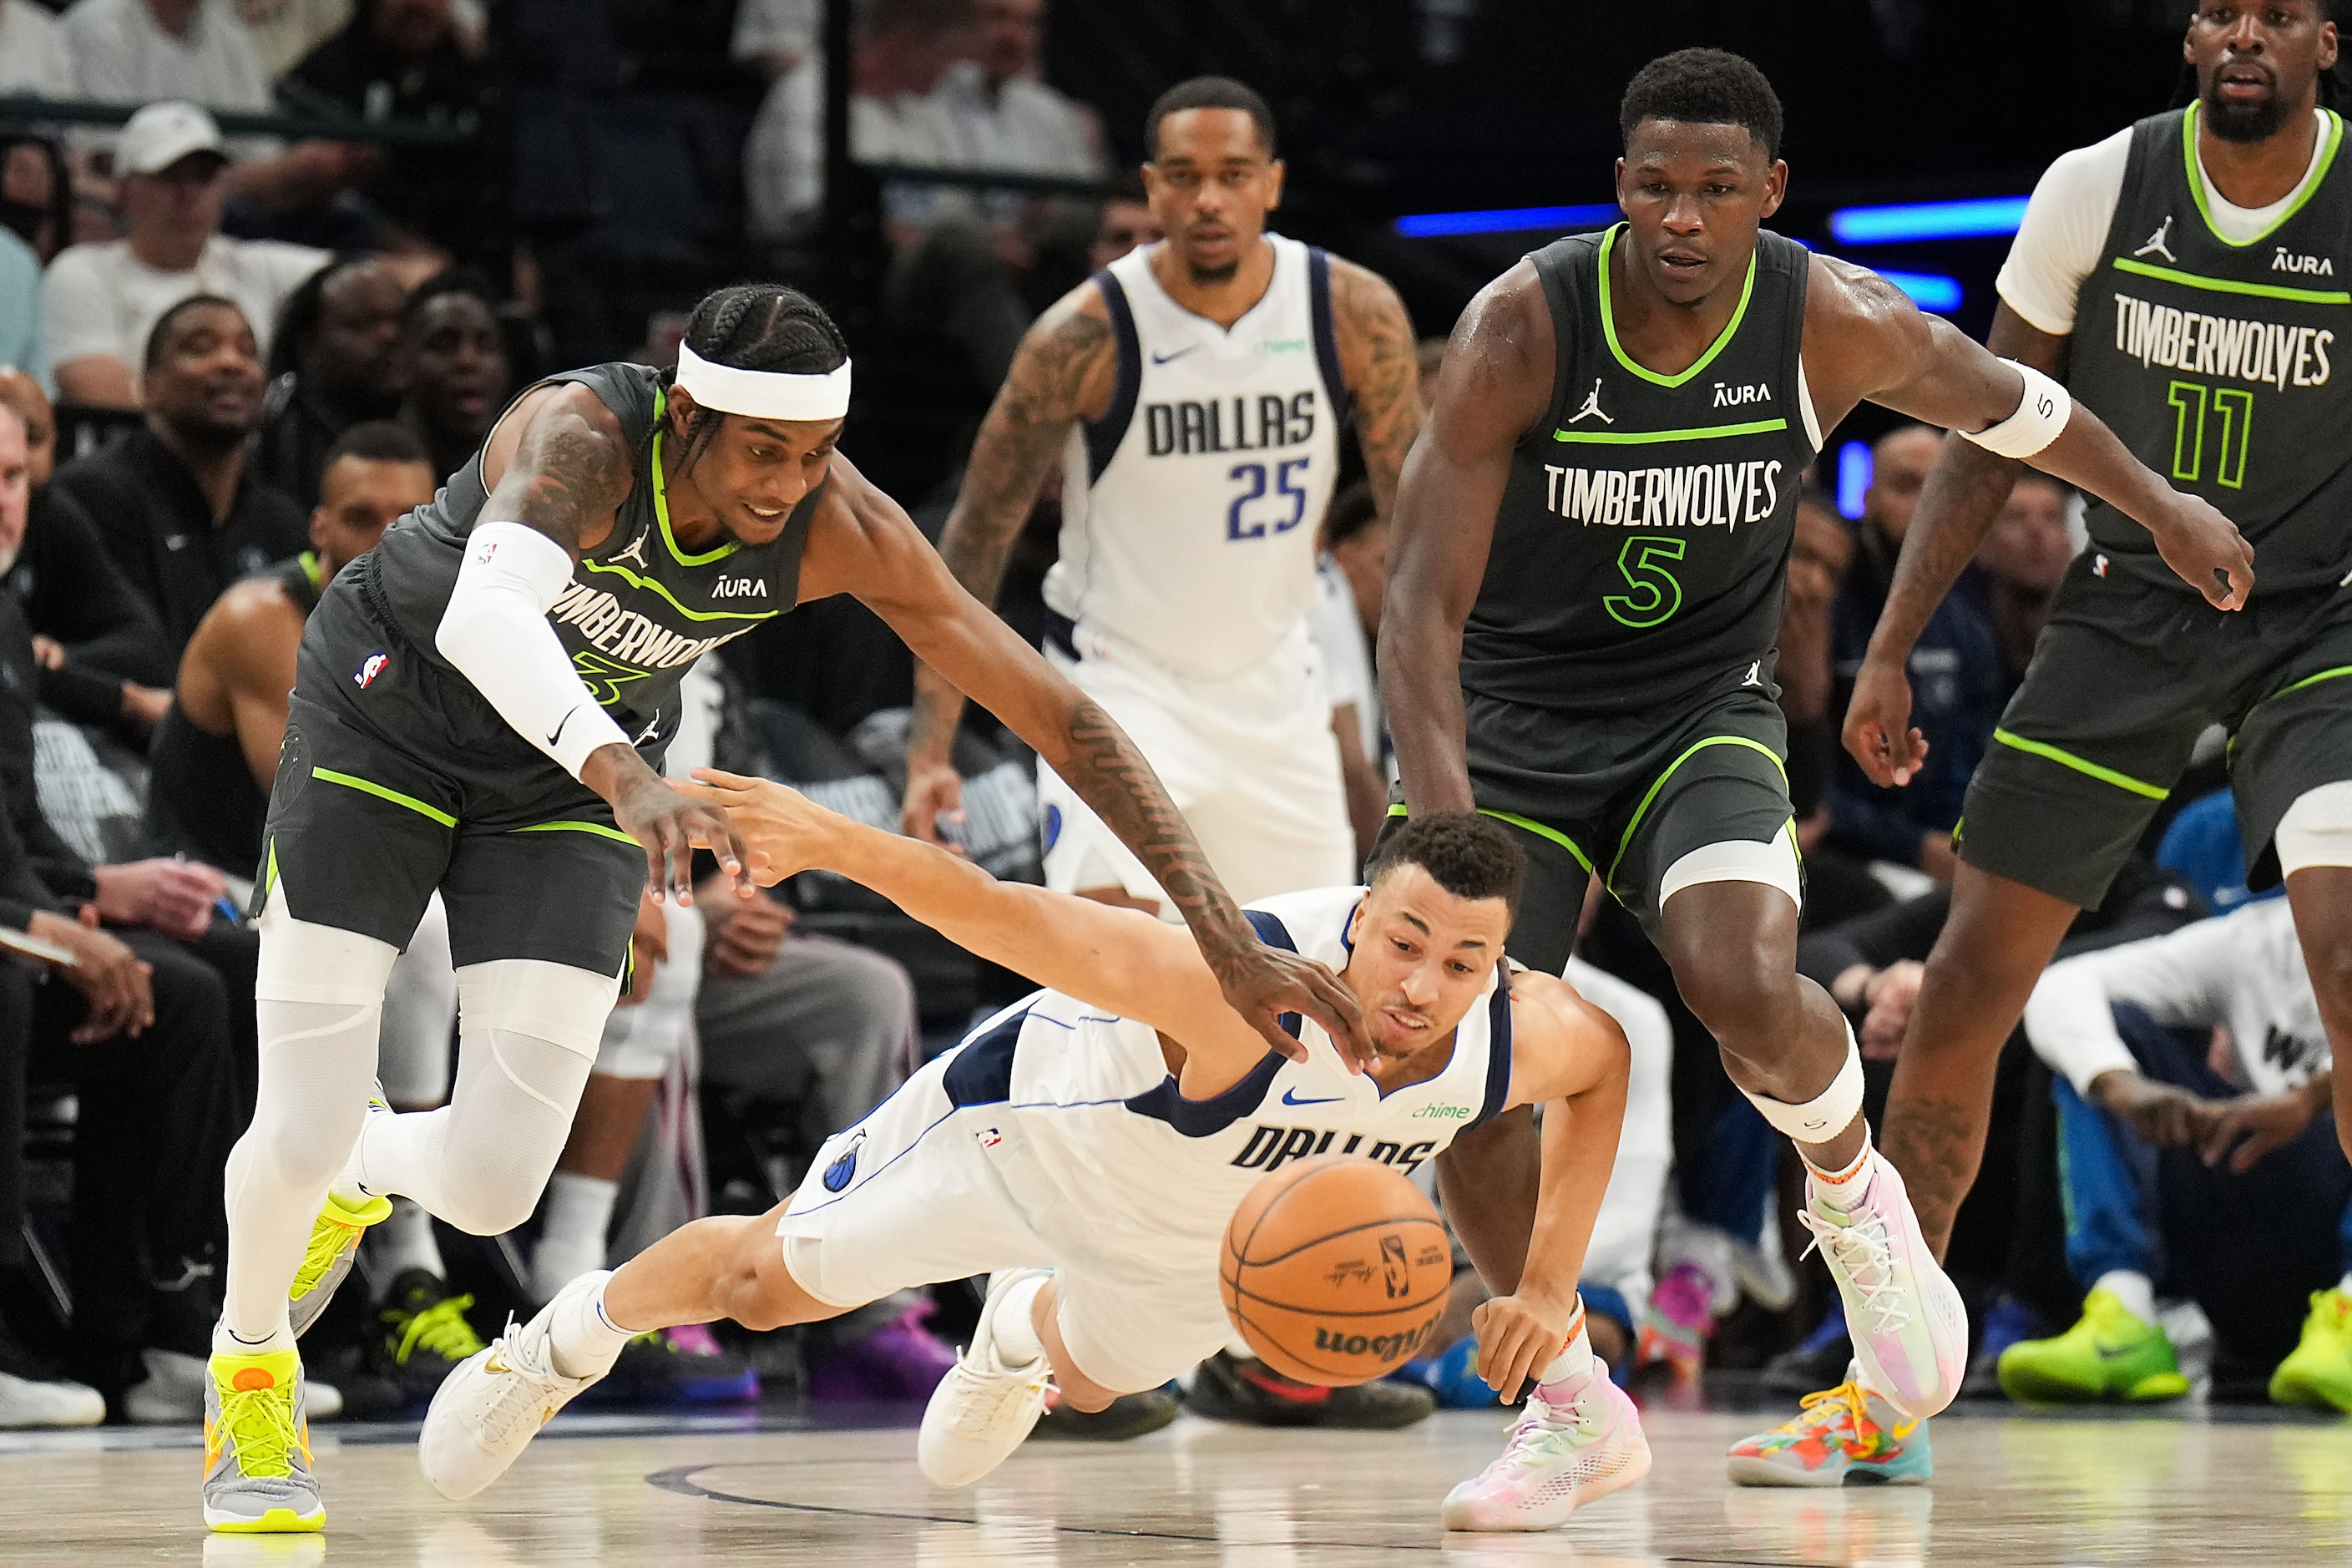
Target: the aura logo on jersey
pixel 1694 495
pixel 2237 348
pixel 1228 425
pixel 1270 1148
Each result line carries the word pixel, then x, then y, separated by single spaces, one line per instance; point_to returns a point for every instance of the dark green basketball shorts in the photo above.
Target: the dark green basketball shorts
pixel 2126 676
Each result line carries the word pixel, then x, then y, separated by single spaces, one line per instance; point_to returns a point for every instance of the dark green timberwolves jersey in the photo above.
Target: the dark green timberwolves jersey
pixel 639 610
pixel 2214 360
pixel 1642 546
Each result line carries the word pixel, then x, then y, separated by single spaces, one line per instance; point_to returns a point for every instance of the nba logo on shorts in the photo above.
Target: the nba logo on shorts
pixel 989 1136
pixel 371 670
pixel 837 1174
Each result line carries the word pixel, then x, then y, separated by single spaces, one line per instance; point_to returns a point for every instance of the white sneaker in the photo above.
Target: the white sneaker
pixel 488 1409
pixel 34 1401
pixel 1560 1457
pixel 1909 1327
pixel 982 1409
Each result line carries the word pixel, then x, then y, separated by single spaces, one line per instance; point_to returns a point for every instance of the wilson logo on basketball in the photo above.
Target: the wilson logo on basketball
pixel 1384 1348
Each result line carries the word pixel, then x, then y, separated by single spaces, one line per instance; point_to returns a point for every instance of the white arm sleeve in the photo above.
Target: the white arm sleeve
pixel 495 630
pixel 2180 980
pixel 2064 230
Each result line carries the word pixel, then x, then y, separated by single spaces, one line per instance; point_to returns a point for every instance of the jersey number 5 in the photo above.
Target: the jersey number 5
pixel 1655 596
pixel 1253 476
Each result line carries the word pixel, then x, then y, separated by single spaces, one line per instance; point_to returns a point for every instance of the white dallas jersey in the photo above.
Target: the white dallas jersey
pixel 1114 1166
pixel 1190 510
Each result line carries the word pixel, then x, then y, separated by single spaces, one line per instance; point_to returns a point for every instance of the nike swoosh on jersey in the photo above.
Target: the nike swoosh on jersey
pixel 1179 354
pixel 1290 1097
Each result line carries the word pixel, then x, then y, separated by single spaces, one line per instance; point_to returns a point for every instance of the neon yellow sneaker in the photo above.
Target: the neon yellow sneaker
pixel 2111 1353
pixel 334 1244
pixel 2319 1372
pixel 257 1478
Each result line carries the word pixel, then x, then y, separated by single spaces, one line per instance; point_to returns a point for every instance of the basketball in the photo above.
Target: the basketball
pixel 1335 1270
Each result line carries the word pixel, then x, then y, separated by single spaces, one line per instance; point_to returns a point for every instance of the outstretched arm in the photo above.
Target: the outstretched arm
pixel 1571 1059
pixel 1376 355
pixel 1496 383
pixel 1061 373
pixel 861 544
pixel 1121 960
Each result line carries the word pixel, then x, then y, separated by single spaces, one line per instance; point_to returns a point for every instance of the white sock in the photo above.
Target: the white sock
pixel 1842 1190
pixel 1573 1364
pixel 578 1210
pixel 226 1341
pixel 404 1241
pixel 584 1341
pixel 1013 1325
pixel 2345 1284
pixel 2133 1288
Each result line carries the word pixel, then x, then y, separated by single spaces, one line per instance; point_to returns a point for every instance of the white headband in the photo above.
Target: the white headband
pixel 763 394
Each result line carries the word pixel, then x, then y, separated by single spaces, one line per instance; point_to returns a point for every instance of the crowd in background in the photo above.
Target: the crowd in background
pixel 266 352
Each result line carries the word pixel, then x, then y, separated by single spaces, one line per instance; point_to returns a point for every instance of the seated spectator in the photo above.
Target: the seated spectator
pixel 409 60
pixel 1003 116
pixel 1125 221
pixel 899 50
pixel 1958 680
pixel 330 367
pixel 36 198
pixel 20 308
pixel 283 31
pixel 2214 1176
pixel 776 37
pixel 452 367
pixel 34 58
pixel 2021 563
pixel 140 1028
pixel 102 300
pixel 179 514
pixel 141 51
pixel 102 650
pixel 2203 845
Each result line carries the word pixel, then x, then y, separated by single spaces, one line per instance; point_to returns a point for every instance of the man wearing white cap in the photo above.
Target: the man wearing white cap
pixel 101 300
pixel 480 706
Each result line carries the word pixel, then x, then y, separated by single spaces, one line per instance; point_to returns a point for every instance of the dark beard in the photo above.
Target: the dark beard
pixel 2243 122
pixel 1202 277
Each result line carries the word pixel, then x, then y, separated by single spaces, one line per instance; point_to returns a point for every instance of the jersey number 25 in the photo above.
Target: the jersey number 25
pixel 1253 476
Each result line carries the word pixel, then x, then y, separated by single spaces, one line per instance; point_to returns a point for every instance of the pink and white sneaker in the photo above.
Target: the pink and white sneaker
pixel 1910 1329
pixel 1564 1453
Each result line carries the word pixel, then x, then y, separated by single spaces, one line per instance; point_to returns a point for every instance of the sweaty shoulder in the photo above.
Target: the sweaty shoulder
pixel 1857 324
pixel 1499 364
pixel 2065 228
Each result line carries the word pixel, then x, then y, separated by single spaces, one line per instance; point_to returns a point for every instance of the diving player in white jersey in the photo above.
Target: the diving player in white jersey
pixel 1194 394
pixel 1089 1144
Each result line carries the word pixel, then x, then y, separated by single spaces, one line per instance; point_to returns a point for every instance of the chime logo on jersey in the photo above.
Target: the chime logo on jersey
pixel 1270 1148
pixel 1695 495
pixel 371 670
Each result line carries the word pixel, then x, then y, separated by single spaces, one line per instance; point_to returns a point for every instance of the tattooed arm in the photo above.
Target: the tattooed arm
pixel 558 463
pixel 1063 371
pixel 1376 355
pixel 861 544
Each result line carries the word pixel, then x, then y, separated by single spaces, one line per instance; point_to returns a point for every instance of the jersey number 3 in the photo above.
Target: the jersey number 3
pixel 1655 594
pixel 1253 476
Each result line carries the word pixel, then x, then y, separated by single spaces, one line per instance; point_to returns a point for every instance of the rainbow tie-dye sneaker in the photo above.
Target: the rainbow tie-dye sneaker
pixel 1562 1455
pixel 1910 1329
pixel 1846 1433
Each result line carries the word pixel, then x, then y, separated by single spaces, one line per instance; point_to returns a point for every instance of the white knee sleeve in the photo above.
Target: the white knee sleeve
pixel 643 1041
pixel 1774 863
pixel 549 1001
pixel 2316 829
pixel 1828 1113
pixel 304 961
pixel 420 1010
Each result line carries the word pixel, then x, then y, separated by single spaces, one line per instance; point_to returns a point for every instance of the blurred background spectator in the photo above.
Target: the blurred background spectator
pixel 330 367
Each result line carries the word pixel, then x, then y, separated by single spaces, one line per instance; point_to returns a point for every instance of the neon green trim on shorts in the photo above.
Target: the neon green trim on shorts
pixel 2081 765
pixel 368 786
pixel 1642 810
pixel 1551 835
pixel 597 828
pixel 2341 669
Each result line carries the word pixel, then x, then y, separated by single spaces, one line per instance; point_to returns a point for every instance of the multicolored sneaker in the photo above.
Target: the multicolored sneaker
pixel 1564 1453
pixel 1227 1387
pixel 423 1335
pixel 1678 1322
pixel 2110 1354
pixel 2319 1371
pixel 1910 1328
pixel 901 1359
pixel 1839 1434
pixel 257 1478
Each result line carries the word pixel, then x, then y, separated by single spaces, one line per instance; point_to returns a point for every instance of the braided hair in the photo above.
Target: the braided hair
pixel 757 326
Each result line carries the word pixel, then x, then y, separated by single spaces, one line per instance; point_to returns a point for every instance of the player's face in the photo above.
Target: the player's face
pixel 2258 62
pixel 1421 958
pixel 1210 185
pixel 752 472
pixel 1694 196
pixel 359 497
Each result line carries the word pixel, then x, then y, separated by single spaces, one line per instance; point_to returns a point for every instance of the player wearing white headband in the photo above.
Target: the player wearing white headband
pixel 480 706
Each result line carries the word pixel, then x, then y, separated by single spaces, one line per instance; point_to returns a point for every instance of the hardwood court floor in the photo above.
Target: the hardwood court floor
pixel 2011 1489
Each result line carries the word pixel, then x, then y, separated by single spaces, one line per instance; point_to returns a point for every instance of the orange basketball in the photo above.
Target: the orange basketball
pixel 1335 1270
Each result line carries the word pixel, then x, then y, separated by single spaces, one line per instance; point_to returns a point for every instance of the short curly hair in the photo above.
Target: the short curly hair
pixel 1469 856
pixel 1703 87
